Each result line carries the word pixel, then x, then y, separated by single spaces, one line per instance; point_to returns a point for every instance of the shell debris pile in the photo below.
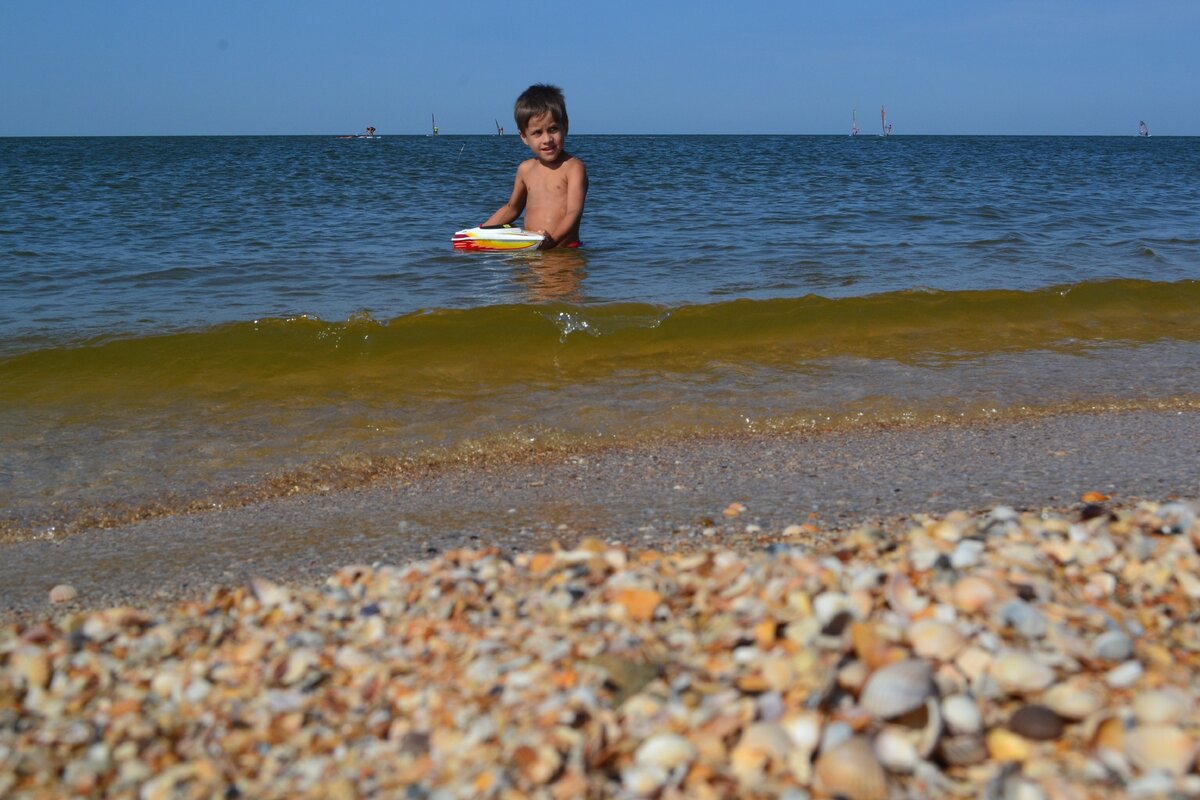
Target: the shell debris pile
pixel 996 655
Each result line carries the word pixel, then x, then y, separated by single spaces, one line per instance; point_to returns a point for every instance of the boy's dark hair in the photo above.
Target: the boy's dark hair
pixel 539 99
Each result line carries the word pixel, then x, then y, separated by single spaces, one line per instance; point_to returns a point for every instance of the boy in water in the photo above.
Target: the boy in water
pixel 551 187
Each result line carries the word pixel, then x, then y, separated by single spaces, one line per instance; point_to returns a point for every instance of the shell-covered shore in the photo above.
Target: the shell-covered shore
pixel 995 654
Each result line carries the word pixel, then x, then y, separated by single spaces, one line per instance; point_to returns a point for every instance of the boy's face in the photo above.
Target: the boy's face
pixel 544 137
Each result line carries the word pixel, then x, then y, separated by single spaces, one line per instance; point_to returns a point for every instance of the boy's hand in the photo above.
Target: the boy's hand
pixel 547 241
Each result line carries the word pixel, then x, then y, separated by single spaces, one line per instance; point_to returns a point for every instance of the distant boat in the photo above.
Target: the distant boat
pixel 854 123
pixel 1142 129
pixel 499 130
pixel 370 134
pixel 887 126
pixel 433 123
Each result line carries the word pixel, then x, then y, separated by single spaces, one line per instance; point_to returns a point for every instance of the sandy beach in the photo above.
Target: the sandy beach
pixel 667 497
pixel 757 617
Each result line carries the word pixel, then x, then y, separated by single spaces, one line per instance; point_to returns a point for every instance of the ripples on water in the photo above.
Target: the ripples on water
pixel 109 246
pixel 123 235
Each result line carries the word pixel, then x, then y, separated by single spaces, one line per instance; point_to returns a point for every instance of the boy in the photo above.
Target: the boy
pixel 551 187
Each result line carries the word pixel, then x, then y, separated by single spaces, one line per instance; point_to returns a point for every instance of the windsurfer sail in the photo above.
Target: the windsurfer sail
pixel 854 123
pixel 887 127
pixel 1142 129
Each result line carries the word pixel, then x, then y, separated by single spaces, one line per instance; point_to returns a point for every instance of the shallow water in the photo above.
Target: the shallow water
pixel 182 316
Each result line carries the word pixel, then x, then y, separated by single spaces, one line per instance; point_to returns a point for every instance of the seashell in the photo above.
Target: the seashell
pixel 936 640
pixel 963 750
pixel 961 714
pixel 1004 745
pixel 30 666
pixel 897 688
pixel 828 606
pixel 1161 707
pixel 895 750
pixel 1112 646
pixel 852 676
pixel 1024 618
pixel 63 593
pixel 643 781
pixel 873 647
pixel 1019 673
pixel 804 729
pixel 851 770
pixel 1036 722
pixel 270 594
pixel 1075 700
pixel 967 553
pixel 537 764
pixel 666 750
pixel 1160 747
pixel 973 593
pixel 1124 675
pixel 834 734
pixel 902 597
pixel 768 738
pixel 1176 518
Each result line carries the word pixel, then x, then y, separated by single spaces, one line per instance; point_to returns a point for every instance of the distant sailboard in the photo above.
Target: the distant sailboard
pixel 1142 129
pixel 495 237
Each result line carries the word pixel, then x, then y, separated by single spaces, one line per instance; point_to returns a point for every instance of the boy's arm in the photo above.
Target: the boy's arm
pixel 515 205
pixel 567 228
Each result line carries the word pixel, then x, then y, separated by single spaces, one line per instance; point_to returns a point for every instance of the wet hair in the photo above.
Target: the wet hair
pixel 540 99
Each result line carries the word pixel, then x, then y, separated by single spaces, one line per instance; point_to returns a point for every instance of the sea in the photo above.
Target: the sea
pixel 187 322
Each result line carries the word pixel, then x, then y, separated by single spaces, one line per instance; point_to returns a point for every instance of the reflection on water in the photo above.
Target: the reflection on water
pixel 552 275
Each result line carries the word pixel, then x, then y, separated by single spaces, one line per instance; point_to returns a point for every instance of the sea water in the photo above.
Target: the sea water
pixel 187 320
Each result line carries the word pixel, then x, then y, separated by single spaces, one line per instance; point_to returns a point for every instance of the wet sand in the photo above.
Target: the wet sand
pixel 665 497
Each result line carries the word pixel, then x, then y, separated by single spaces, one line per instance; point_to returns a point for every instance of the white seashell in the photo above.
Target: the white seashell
pixel 961 714
pixel 1075 699
pixel 1160 747
pixel 643 780
pixel 666 750
pixel 897 688
pixel 828 605
pixel 1019 673
pixel 269 594
pixel 63 593
pixel 1124 675
pixel 936 640
pixel 804 729
pixel 1112 646
pixel 967 553
pixel 1161 707
pixel 895 750
pixel 851 770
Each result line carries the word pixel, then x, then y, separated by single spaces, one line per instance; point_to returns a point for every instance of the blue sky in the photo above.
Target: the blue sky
pixel 752 66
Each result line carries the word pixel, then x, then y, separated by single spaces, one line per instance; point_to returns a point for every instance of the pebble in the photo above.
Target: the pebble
pixel 997 654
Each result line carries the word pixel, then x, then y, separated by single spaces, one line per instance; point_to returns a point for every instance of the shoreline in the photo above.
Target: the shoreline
pixel 665 496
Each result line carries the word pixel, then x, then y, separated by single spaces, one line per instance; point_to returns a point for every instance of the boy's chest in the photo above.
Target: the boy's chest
pixel 548 183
